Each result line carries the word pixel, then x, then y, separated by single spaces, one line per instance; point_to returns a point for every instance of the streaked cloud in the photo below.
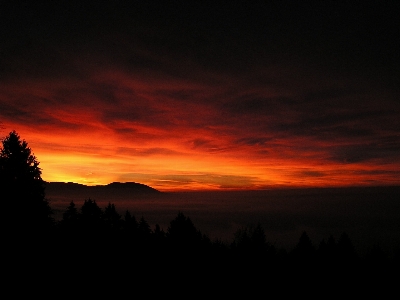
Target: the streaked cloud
pixel 201 98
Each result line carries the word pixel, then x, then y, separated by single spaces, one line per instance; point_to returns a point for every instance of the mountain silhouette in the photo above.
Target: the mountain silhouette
pixel 126 186
pixel 130 185
pixel 60 194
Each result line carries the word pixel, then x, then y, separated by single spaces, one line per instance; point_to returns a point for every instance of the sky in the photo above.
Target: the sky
pixel 205 95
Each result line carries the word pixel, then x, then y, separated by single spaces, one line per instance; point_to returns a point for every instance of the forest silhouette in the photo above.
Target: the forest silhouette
pixel 101 242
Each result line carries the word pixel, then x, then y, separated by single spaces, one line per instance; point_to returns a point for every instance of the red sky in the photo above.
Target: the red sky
pixel 205 97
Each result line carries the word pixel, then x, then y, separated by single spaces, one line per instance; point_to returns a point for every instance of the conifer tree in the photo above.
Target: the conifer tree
pixel 22 186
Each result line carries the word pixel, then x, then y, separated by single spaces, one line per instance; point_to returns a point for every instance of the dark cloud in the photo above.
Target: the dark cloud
pixel 253 104
pixel 385 150
pixel 268 81
pixel 390 173
pixel 79 148
pixel 311 173
pixel 213 180
pixel 253 141
pixel 219 36
pixel 25 114
pixel 146 151
pixel 207 145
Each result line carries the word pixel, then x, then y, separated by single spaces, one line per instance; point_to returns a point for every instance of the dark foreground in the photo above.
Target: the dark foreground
pixel 98 255
pixel 322 233
pixel 370 216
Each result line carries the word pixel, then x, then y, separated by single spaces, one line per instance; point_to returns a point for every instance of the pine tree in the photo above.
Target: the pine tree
pixel 22 186
pixel 111 217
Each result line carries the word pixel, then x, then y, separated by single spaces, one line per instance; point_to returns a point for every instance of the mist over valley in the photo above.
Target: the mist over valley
pixel 369 215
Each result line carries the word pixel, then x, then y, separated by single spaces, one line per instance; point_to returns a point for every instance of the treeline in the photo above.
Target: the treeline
pixel 100 243
pixel 127 240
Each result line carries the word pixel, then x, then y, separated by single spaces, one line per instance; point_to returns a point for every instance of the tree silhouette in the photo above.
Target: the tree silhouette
pixel 130 225
pixel 327 252
pixel 112 218
pixel 144 229
pixel 304 254
pixel 91 220
pixel 91 212
pixel 70 220
pixel 304 246
pixel 71 214
pixel 22 186
pixel 250 249
pixel 345 248
pixel 182 232
pixel 250 239
pixel 158 233
pixel 185 245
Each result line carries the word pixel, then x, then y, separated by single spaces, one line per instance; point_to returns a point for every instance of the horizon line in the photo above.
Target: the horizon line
pixel 237 189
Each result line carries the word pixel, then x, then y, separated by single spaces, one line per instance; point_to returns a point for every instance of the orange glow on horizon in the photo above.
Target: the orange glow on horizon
pixel 181 135
pixel 174 172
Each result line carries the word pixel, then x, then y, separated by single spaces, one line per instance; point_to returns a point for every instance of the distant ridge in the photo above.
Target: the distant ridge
pixel 131 186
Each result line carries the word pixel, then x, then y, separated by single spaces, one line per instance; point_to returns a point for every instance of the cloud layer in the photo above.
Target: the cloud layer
pixel 204 97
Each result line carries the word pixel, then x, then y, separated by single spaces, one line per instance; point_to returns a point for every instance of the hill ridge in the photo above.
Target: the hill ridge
pixel 140 187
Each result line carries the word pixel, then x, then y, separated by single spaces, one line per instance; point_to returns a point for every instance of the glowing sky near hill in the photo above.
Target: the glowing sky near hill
pixel 205 96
